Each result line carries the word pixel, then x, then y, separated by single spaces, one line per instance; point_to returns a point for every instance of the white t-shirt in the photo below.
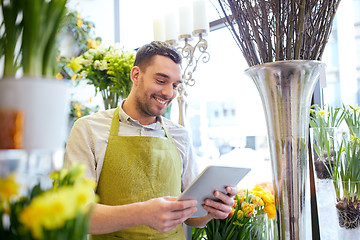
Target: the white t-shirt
pixel 89 136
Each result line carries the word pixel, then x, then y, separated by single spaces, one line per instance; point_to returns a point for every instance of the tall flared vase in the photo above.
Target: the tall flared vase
pixel 285 88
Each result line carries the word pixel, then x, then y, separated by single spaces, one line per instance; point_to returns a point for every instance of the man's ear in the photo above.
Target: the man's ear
pixel 134 74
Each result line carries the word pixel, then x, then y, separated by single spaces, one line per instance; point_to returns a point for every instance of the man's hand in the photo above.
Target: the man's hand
pixel 216 209
pixel 221 210
pixel 165 213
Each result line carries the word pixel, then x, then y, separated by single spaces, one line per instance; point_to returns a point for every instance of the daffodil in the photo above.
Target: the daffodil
pixel 59 76
pixel 79 23
pixel 8 187
pixel 74 64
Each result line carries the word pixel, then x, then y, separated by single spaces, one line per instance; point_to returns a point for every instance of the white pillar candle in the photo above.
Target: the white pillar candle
pixel 159 31
pixel 185 20
pixel 200 16
pixel 171 26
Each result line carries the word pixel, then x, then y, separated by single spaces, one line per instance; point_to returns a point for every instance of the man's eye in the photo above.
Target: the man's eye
pixel 160 81
pixel 175 86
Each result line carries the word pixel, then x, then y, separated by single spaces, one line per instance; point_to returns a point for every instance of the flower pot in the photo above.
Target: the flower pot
pixel 285 88
pixel 45 104
pixel 348 209
pixel 337 201
pixel 325 143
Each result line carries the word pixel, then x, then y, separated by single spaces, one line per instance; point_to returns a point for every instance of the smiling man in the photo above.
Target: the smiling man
pixel 140 160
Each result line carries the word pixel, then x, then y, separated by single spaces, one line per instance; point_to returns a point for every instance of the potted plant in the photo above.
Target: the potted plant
pixel 108 70
pixel 341 146
pixel 28 81
pixel 324 123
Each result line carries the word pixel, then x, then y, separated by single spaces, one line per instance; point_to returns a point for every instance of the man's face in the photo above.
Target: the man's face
pixel 157 86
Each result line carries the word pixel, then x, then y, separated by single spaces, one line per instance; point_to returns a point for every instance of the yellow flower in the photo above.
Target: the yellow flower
pixel 231 213
pixel 95 43
pixel 74 64
pixel 240 214
pixel 79 23
pixel 88 46
pixel 241 195
pixel 48 210
pixel 59 76
pixel 52 209
pixel 248 209
pixel 78 16
pixel 270 211
pixel 354 138
pixel 73 77
pixel 8 187
pixel 323 113
pixel 257 201
pixel 78 113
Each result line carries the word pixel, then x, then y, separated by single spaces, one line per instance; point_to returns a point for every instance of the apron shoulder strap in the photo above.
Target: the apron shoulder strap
pixel 115 123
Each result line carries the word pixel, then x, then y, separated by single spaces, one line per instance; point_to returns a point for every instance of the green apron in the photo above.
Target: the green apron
pixel 136 169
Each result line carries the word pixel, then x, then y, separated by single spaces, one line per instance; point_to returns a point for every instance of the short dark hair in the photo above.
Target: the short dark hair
pixel 146 52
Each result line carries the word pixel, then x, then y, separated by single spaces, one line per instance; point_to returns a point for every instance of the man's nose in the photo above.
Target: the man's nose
pixel 168 90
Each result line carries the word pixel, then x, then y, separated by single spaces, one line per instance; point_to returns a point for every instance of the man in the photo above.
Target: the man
pixel 140 160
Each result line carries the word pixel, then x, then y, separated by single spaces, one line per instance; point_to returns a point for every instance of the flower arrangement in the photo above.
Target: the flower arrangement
pixel 253 211
pixel 108 70
pixel 339 151
pixel 61 212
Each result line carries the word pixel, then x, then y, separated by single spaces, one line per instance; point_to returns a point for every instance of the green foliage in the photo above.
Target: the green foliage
pixel 82 31
pixel 34 24
pixel 12 29
pixel 339 148
pixel 78 110
pixel 323 122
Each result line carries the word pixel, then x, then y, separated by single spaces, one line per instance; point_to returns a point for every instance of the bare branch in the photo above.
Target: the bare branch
pixel 273 30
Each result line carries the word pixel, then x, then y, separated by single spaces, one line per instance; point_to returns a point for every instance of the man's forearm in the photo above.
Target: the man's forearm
pixel 107 219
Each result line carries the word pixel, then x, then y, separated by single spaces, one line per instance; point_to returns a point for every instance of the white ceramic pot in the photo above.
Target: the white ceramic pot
pixel 45 103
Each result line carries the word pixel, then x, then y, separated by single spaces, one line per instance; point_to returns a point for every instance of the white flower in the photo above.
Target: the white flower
pixel 92 51
pixel 100 65
pixel 85 62
pixel 88 56
pixel 83 74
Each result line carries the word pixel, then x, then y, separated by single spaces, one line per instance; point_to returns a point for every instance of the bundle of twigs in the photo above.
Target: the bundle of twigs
pixel 275 30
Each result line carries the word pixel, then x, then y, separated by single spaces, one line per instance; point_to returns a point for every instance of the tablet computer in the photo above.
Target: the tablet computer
pixel 213 177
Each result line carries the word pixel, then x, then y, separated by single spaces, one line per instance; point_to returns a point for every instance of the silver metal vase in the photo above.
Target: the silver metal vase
pixel 286 88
